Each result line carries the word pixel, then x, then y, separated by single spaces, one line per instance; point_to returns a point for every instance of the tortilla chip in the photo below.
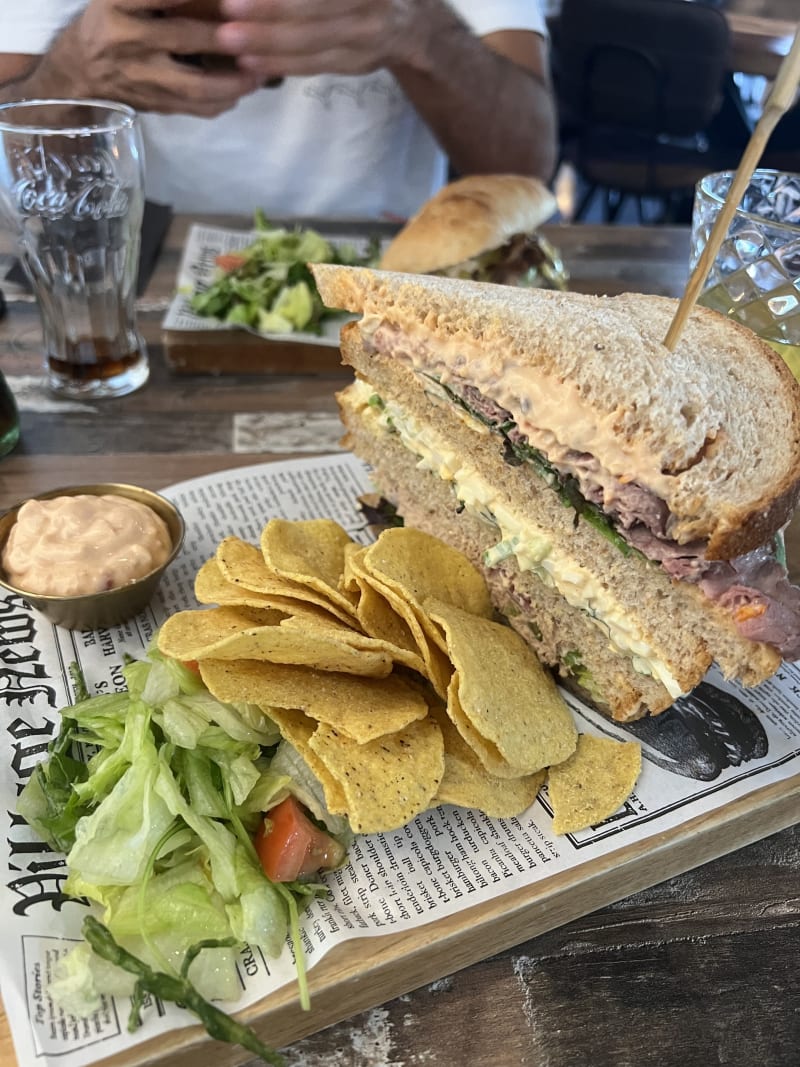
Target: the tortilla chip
pixel 385 615
pixel 187 631
pixel 592 784
pixel 423 566
pixel 505 695
pixel 353 552
pixel 243 564
pixel 361 708
pixel 228 633
pixel 377 618
pixel 416 566
pixel 467 783
pixel 386 782
pixel 212 587
pixel 310 552
pixel 404 623
pixel 297 728
pixel 493 762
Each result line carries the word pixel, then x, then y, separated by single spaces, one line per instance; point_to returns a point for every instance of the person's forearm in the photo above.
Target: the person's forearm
pixel 488 113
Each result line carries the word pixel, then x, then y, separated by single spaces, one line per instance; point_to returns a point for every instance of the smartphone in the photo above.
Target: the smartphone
pixel 198 9
pixel 208 10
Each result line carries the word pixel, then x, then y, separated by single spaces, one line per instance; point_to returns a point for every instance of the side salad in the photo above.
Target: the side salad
pixel 192 829
pixel 267 285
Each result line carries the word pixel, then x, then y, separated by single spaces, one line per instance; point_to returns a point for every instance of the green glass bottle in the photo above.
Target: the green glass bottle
pixel 9 418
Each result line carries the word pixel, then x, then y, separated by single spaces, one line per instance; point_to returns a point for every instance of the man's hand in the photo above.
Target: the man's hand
pixel 307 37
pixel 130 50
pixel 488 102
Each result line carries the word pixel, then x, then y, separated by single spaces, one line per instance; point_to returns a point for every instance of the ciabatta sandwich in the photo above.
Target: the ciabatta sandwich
pixel 483 227
pixel 624 501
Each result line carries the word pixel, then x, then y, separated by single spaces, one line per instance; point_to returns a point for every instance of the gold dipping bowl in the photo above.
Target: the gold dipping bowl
pixel 96 611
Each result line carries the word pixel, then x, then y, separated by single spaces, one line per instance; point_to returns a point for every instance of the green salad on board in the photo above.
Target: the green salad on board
pixel 157 796
pixel 267 286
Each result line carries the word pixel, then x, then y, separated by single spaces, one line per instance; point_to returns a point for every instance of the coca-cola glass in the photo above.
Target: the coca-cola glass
pixel 72 193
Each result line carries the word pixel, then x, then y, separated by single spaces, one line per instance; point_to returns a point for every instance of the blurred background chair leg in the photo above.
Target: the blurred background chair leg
pixel 585 203
pixel 647 104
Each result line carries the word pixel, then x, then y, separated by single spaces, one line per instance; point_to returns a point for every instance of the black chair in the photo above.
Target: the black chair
pixel 646 104
pixel 782 150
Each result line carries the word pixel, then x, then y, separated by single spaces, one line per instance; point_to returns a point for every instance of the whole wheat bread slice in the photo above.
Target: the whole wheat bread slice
pixel 713 428
pixel 559 634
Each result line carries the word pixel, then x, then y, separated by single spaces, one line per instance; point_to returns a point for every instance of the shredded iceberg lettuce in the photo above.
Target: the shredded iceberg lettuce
pixel 157 829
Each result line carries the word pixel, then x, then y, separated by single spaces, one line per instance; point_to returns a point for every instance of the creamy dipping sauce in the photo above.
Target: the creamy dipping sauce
pixel 75 545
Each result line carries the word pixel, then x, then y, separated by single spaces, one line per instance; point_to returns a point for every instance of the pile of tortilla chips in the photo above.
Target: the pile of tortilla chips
pixel 384 666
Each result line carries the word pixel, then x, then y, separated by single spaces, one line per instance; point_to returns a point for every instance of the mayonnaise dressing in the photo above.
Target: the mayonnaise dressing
pixel 76 545
pixel 550 412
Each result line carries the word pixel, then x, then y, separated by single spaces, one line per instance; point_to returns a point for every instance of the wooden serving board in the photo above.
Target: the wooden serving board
pixel 240 352
pixel 364 973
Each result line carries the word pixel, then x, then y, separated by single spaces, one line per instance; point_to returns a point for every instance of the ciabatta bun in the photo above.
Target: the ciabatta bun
pixel 466 218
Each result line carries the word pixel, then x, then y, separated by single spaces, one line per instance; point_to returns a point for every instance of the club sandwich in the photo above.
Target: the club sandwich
pixel 624 501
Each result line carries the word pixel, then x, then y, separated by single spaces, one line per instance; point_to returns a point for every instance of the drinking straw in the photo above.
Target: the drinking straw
pixel 778 103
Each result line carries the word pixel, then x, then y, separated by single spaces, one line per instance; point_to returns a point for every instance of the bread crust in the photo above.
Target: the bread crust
pixel 466 218
pixel 717 420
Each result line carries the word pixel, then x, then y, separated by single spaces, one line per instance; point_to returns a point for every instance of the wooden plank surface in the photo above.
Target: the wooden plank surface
pixel 700 969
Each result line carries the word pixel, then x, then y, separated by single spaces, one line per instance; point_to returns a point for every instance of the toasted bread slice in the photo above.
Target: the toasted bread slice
pixel 712 428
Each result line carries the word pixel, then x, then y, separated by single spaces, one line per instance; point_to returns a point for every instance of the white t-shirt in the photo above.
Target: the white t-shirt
pixel 335 146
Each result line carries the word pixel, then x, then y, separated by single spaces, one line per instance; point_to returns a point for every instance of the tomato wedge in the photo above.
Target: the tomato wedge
pixel 229 261
pixel 290 846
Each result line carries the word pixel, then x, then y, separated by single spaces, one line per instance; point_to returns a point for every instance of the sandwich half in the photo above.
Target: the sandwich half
pixel 482 227
pixel 625 502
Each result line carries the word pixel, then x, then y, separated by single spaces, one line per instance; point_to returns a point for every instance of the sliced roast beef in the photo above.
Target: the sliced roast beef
pixel 754 588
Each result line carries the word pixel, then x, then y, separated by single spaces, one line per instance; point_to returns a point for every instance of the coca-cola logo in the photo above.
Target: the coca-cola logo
pixel 78 186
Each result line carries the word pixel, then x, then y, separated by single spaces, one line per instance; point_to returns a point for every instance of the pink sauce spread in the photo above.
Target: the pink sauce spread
pixel 75 545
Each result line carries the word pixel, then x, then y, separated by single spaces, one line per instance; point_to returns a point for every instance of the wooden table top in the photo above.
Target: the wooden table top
pixel 699 970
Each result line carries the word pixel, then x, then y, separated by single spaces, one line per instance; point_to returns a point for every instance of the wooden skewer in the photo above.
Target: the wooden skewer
pixel 778 103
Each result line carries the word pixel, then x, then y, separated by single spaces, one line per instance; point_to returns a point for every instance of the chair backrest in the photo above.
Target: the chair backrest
pixel 656 66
